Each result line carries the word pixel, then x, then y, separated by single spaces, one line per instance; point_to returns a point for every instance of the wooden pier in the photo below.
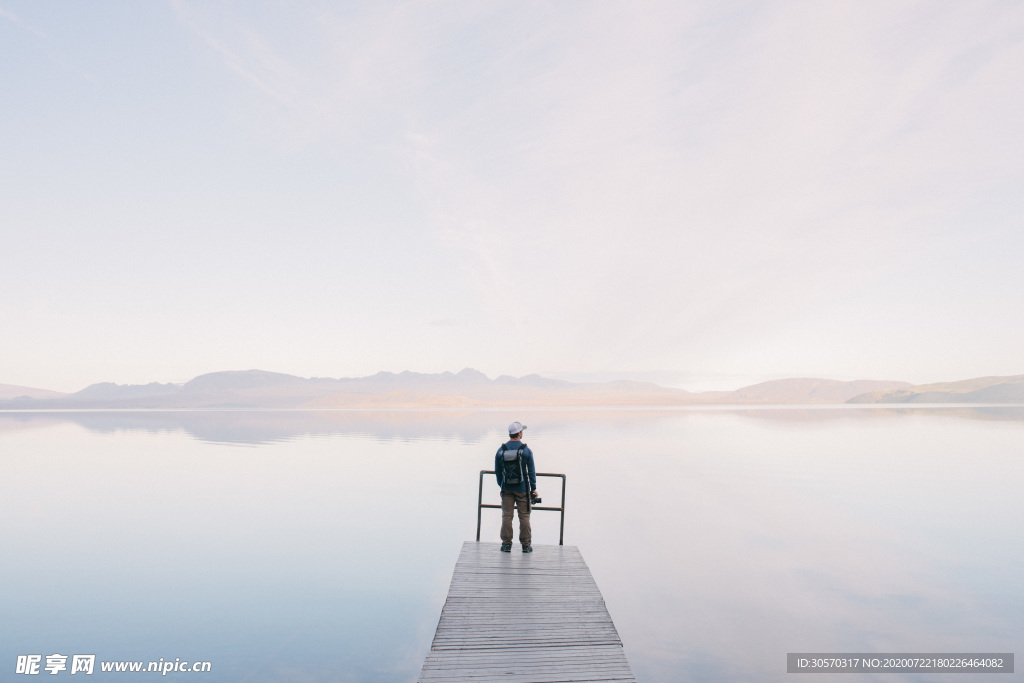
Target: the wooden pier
pixel 525 617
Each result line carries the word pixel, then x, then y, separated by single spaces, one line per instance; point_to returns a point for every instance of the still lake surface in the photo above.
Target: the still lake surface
pixel 318 546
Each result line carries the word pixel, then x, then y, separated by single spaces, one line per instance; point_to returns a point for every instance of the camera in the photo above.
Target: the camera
pixel 535 499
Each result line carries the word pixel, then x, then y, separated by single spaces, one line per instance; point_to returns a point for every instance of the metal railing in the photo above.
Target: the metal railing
pixel 480 505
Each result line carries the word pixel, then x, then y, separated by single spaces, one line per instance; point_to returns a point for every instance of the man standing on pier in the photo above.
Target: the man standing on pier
pixel 513 466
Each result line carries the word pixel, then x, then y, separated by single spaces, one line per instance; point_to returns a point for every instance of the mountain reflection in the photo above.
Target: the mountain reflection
pixel 273 426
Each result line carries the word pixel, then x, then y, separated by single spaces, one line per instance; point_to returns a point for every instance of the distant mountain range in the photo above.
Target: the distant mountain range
pixel 471 388
pixel 10 392
pixel 978 390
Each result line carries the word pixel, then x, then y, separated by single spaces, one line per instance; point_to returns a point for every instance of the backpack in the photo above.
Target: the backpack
pixel 512 464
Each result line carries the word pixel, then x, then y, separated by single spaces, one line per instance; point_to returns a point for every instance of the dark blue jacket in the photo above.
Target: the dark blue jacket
pixel 527 458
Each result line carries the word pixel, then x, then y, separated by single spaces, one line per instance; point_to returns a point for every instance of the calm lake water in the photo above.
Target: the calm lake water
pixel 295 546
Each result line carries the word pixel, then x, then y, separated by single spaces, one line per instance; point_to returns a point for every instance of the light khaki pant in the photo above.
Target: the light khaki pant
pixel 521 503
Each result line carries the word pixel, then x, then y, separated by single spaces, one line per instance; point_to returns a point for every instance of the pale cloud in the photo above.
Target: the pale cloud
pixel 692 198
pixel 11 16
pixel 330 75
pixel 705 188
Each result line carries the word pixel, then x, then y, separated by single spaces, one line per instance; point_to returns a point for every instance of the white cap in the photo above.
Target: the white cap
pixel 516 427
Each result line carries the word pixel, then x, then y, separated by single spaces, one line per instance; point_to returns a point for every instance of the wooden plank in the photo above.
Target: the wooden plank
pixel 524 618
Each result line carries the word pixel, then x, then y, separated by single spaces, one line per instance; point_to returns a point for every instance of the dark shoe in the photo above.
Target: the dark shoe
pixel 527 548
pixel 506 547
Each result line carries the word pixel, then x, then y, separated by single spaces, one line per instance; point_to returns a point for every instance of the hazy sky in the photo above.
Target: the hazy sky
pixel 331 189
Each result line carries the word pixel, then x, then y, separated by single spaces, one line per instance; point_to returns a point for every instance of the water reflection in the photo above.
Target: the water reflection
pixel 721 539
pixel 271 426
